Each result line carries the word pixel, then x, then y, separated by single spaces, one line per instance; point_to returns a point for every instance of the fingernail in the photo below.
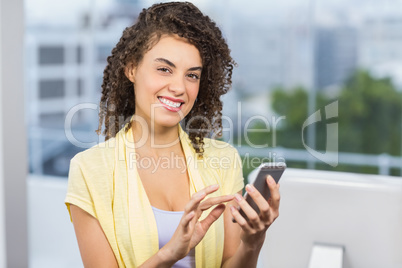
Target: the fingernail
pixel 238 197
pixel 200 194
pixel 270 179
pixel 214 186
pixel 230 197
pixel 249 188
pixel 232 208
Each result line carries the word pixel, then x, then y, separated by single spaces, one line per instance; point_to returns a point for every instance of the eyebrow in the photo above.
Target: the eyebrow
pixel 171 64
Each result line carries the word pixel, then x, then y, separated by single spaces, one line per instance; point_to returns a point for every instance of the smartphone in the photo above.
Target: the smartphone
pixel 275 170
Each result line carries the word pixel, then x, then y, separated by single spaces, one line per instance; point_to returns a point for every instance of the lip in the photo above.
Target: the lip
pixel 171 99
pixel 167 107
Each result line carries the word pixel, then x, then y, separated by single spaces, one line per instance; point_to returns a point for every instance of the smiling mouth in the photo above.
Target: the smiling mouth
pixel 170 103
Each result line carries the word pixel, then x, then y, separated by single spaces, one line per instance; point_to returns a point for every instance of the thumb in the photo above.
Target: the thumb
pixel 212 216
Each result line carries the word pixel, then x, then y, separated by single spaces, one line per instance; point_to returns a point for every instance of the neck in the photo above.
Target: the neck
pixel 155 137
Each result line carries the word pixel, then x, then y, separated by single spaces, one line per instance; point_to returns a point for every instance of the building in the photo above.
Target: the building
pixel 335 55
pixel 64 70
pixel 380 45
pixel 269 56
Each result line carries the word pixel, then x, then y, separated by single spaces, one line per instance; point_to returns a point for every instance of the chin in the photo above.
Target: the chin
pixel 167 123
pixel 169 119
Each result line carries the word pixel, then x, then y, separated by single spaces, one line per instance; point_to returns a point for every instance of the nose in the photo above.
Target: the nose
pixel 177 85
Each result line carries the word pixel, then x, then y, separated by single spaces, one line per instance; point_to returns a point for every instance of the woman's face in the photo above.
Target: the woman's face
pixel 166 81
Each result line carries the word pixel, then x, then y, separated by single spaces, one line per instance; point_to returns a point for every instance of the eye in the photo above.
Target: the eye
pixel 194 76
pixel 164 70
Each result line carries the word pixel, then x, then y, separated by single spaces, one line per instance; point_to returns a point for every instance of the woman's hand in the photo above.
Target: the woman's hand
pixel 253 230
pixel 190 230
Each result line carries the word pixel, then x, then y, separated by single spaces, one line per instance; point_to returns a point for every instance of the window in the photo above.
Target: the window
pixel 103 52
pixel 50 89
pixel 49 55
pixel 79 54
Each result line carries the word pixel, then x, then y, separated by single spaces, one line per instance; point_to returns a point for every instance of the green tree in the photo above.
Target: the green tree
pixel 370 112
pixel 294 105
pixel 370 115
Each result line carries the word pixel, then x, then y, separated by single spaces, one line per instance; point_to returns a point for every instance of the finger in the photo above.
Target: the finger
pixel 186 220
pixel 215 201
pixel 194 202
pixel 275 196
pixel 199 196
pixel 210 189
pixel 240 220
pixel 212 216
pixel 259 200
pixel 251 214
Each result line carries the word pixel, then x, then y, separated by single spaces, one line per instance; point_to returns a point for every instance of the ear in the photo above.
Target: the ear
pixel 129 71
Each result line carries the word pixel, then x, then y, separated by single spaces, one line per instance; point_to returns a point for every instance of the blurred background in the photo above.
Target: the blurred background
pixel 295 59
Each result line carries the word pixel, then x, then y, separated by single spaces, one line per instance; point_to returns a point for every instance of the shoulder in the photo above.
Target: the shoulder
pixel 91 177
pixel 224 159
pixel 100 156
pixel 217 148
pixel 220 155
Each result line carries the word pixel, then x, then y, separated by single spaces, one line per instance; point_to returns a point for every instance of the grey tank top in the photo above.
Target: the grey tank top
pixel 167 222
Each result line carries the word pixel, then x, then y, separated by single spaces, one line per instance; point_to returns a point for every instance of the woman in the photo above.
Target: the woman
pixel 140 198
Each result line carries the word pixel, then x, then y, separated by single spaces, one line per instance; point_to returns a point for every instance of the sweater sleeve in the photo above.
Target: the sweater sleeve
pixel 78 192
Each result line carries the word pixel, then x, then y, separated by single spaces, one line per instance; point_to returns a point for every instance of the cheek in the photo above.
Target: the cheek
pixel 193 93
pixel 146 88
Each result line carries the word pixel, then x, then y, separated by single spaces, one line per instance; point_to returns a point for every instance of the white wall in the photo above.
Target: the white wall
pixel 52 241
pixel 361 213
pixel 2 226
pixel 13 157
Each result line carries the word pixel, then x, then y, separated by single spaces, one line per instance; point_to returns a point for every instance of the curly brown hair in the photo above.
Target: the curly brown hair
pixel 117 104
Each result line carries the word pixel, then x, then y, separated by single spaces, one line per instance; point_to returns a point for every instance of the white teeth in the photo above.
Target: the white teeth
pixel 170 103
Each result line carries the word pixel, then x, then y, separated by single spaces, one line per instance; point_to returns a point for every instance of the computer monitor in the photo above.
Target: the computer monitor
pixel 360 213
